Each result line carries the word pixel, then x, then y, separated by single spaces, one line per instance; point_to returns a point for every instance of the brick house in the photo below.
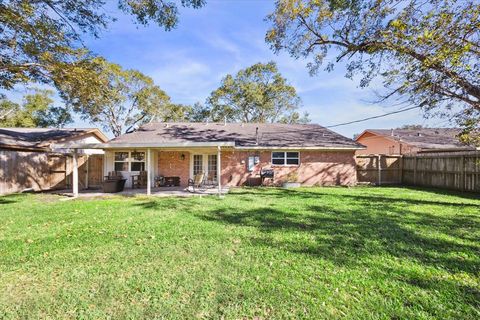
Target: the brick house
pixel 233 154
pixel 409 141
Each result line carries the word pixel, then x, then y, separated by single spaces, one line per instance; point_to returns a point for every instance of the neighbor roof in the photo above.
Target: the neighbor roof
pixel 42 138
pixel 238 135
pixel 424 138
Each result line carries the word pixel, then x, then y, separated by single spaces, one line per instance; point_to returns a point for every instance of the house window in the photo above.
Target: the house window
pixel 286 158
pixel 293 158
pixel 137 161
pixel 121 161
pixel 252 161
pixel 133 160
pixel 197 164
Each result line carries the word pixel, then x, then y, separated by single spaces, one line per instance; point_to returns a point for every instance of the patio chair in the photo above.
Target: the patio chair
pixel 140 180
pixel 196 182
pixel 113 175
pixel 211 179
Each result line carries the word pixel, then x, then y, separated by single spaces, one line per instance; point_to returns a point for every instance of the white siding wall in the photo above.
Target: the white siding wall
pixel 110 166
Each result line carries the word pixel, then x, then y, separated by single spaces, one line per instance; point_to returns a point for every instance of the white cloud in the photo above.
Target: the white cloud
pixel 186 81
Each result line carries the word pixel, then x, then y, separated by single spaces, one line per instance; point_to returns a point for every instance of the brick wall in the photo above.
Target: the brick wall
pixel 170 164
pixel 316 168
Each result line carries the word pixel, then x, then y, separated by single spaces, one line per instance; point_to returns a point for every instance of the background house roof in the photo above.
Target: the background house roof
pixel 42 138
pixel 243 135
pixel 425 138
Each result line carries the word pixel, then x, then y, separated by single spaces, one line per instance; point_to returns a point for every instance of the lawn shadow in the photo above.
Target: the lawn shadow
pixel 354 234
pixel 315 193
pixel 368 227
pixel 443 192
pixel 168 203
pixel 468 294
pixel 12 198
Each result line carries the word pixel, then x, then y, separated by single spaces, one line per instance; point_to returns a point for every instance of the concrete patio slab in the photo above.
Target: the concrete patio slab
pixel 156 192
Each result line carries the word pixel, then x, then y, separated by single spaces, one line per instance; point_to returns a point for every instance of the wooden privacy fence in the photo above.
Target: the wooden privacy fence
pixel 455 171
pixel 460 171
pixel 21 170
pixel 379 169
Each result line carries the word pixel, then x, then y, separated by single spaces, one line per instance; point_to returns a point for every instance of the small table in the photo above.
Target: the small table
pixel 171 182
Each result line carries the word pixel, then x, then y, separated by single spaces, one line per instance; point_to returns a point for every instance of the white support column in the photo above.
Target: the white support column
pixel 86 171
pixel 75 174
pixel 219 171
pixel 149 172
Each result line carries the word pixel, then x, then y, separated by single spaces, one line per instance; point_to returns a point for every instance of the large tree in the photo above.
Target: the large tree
pixel 426 52
pixel 258 93
pixel 41 40
pixel 122 99
pixel 37 110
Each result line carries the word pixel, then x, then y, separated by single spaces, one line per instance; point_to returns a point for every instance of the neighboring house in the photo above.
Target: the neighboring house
pixel 41 159
pixel 409 141
pixel 236 152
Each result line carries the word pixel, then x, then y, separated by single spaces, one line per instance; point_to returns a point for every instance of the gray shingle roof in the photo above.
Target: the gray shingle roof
pixel 425 138
pixel 38 138
pixel 243 135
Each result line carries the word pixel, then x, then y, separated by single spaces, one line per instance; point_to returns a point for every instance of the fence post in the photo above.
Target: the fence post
pixel 415 171
pixel 462 173
pixel 379 162
pixel 400 163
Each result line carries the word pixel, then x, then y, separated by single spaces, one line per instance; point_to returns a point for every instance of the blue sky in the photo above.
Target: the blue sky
pixel 224 37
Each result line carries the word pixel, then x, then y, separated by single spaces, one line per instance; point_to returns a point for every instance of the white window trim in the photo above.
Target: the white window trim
pixel 285 159
pixel 127 160
pixel 130 159
pixel 204 161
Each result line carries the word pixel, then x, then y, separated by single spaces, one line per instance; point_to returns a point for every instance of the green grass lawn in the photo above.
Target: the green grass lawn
pixel 377 253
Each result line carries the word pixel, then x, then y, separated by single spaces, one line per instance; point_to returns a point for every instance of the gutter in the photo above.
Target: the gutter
pixel 150 145
pixel 22 148
pixel 198 145
pixel 301 148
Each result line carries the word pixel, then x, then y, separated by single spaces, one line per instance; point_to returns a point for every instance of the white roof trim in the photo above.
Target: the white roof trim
pixel 299 148
pixel 152 145
pixel 200 145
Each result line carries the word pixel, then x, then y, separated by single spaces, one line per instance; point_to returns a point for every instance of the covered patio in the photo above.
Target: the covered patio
pixel 156 192
pixel 159 169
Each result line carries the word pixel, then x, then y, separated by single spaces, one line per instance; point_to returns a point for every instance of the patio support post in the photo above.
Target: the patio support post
pixel 75 174
pixel 149 172
pixel 219 173
pixel 86 171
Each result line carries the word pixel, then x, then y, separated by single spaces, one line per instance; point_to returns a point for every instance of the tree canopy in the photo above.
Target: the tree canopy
pixel 121 100
pixel 36 110
pixel 41 41
pixel 425 52
pixel 258 93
